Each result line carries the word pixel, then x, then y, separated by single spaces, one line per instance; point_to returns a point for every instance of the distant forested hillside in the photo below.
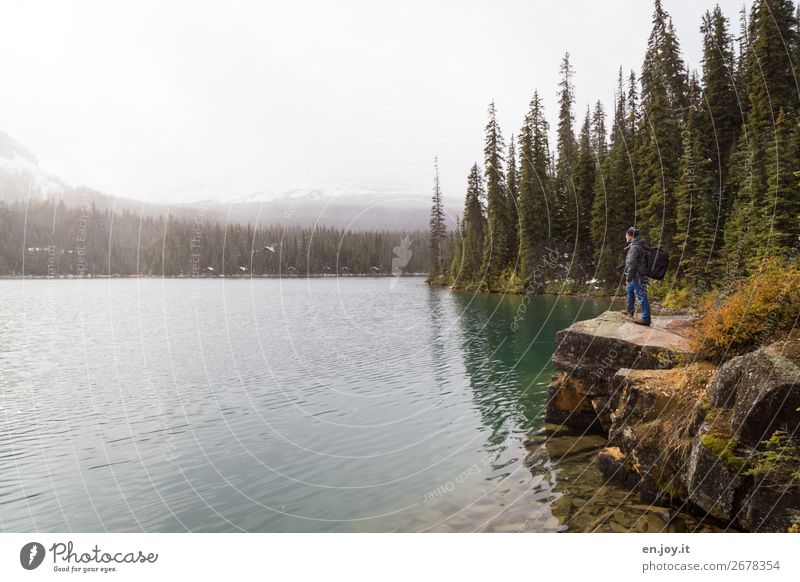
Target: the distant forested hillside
pixel 46 238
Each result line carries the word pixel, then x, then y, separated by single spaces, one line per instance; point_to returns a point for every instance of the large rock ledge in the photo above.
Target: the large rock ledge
pixel 721 442
pixel 594 349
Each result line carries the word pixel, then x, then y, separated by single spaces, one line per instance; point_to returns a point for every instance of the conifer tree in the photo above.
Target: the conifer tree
pixel 664 103
pixel 566 208
pixel 632 104
pixel 771 89
pixel 438 228
pixel 781 206
pixel 694 202
pixel 498 252
pixel 613 206
pixel 512 203
pixel 473 229
pixel 719 119
pixel 585 176
pixel 741 65
pixel 599 134
pixel 534 184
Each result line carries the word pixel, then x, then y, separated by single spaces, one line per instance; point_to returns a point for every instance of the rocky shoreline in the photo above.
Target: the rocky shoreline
pixel 715 441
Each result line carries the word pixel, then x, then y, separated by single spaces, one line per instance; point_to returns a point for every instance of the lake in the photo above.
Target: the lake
pixel 287 405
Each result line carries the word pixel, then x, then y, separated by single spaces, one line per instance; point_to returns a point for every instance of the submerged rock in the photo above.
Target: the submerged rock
pixel 719 441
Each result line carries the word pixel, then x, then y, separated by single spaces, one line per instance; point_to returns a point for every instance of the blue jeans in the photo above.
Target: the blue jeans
pixel 640 289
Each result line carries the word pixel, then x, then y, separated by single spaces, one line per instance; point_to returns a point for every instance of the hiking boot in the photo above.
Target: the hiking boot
pixel 641 322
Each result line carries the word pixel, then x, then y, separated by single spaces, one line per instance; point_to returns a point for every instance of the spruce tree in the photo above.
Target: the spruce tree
pixel 632 104
pixel 438 228
pixel 473 229
pixel 771 90
pixel 456 253
pixel 585 176
pixel 741 65
pixel 664 101
pixel 694 202
pixel 719 119
pixel 599 134
pixel 534 185
pixel 566 209
pixel 781 206
pixel 613 206
pixel 512 204
pixel 498 252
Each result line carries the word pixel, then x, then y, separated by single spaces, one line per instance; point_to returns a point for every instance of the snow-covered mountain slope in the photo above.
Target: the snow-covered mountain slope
pixel 355 208
pixel 21 176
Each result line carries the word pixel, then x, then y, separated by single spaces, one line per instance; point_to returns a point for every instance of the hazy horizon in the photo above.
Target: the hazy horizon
pixel 184 102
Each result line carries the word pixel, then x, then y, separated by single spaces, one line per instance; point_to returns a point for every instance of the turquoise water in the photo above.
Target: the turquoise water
pixel 291 405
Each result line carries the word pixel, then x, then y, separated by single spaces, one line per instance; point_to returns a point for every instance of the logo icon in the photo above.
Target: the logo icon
pixel 402 256
pixel 31 555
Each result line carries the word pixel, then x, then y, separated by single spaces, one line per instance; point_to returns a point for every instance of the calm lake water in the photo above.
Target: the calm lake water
pixel 291 405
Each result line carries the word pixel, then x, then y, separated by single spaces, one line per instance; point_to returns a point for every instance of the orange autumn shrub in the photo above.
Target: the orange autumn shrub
pixel 758 309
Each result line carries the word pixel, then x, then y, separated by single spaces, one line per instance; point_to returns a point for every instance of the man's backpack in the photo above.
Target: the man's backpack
pixel 657 263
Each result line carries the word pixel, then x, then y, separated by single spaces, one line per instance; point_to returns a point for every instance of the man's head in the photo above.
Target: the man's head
pixel 631 233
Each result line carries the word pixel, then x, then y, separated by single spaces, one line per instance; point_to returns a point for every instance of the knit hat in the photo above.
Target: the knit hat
pixel 633 231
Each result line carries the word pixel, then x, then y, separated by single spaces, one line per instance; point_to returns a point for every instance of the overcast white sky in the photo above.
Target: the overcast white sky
pixel 184 100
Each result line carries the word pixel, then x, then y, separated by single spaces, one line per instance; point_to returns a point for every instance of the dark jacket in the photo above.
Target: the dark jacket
pixel 636 260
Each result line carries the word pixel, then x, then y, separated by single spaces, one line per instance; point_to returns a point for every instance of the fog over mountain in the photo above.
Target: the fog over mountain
pixel 22 177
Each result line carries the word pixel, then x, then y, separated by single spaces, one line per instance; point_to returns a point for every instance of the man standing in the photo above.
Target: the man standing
pixel 636 274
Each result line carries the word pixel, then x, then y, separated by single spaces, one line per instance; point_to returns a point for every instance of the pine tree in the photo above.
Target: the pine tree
pixel 664 102
pixel 498 253
pixel 566 208
pixel 742 65
pixel 534 185
pixel 632 104
pixel 781 206
pixel 512 203
pixel 613 206
pixel 438 228
pixel 771 90
pixel 473 229
pixel 694 202
pixel 585 176
pixel 718 120
pixel 599 135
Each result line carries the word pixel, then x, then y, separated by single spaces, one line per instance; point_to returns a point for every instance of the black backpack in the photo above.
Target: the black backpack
pixel 657 263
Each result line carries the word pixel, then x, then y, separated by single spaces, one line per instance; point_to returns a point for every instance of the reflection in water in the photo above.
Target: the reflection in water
pixel 507 345
pixel 289 405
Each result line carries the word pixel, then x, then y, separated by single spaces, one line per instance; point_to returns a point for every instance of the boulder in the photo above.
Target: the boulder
pixel 680 431
pixel 589 353
pixel 711 482
pixel 770 507
pixel 595 349
pixel 768 397
pixel 668 396
pixel 763 389
pixel 612 464
pixel 568 404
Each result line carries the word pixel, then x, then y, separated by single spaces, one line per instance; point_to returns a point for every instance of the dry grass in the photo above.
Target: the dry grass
pixel 760 309
pixel 671 434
